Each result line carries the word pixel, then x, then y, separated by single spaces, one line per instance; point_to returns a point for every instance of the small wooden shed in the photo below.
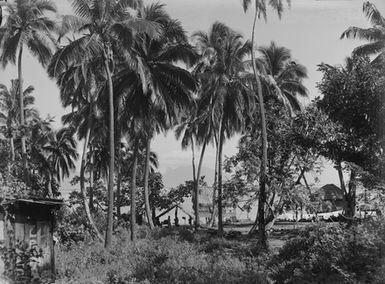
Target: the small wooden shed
pixel 29 223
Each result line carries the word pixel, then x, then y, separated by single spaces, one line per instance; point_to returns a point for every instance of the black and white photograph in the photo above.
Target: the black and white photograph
pixel 192 141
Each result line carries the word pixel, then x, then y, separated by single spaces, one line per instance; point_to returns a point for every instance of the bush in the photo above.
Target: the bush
pixel 164 260
pixel 328 254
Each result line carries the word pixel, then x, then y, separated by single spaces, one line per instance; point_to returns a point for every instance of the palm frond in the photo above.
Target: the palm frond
pixel 370 48
pixel 372 13
pixel 370 34
pixel 70 23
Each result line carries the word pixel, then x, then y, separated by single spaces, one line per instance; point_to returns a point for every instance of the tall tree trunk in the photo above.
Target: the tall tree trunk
pixel 262 179
pixel 21 102
pixel 146 189
pixel 220 209
pixel 118 183
pixel 351 198
pixel 133 192
pixel 193 197
pixel 110 210
pixel 82 187
pixel 214 212
pixel 197 183
pixel 341 178
pixel 12 145
pixel 91 196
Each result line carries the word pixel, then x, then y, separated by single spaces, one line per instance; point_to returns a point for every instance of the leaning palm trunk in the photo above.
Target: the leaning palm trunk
pixel 146 189
pixel 197 182
pixel 21 102
pixel 82 187
pixel 110 210
pixel 133 192
pixel 262 178
pixel 220 211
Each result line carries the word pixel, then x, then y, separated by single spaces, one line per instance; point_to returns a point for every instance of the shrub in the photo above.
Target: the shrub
pixel 328 254
pixel 164 260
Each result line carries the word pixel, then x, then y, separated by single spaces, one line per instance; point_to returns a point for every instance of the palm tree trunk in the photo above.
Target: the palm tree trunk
pixel 214 212
pixel 133 192
pixel 82 187
pixel 194 179
pixel 197 183
pixel 146 189
pixel 21 101
pixel 91 197
pixel 220 212
pixel 118 182
pixel 262 178
pixel 110 210
pixel 12 145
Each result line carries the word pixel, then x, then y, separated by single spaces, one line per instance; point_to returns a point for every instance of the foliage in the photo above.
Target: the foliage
pixel 20 263
pixel 72 226
pixel 288 161
pixel 328 254
pixel 352 96
pixel 164 260
pixel 375 35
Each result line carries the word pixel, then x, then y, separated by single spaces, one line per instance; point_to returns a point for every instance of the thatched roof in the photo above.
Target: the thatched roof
pixel 331 192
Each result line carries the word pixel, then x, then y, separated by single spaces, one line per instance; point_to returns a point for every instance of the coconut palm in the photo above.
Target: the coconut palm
pixel 260 11
pixel 281 79
pixel 79 89
pixel 61 152
pixel 54 152
pixel 281 76
pixel 107 30
pixel 159 90
pixel 375 34
pixel 225 91
pixel 197 128
pixel 27 27
pixel 10 110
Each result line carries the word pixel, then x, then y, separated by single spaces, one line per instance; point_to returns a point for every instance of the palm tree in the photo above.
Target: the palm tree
pixel 161 90
pixel 27 27
pixel 375 34
pixel 10 110
pixel 281 76
pixel 53 151
pixel 198 128
pixel 281 79
pixel 107 30
pixel 260 10
pixel 225 90
pixel 61 152
pixel 79 89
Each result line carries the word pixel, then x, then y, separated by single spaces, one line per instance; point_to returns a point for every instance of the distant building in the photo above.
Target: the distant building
pixel 206 206
pixel 334 196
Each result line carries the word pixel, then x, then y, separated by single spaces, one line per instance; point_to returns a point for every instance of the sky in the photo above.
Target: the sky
pixel 309 28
